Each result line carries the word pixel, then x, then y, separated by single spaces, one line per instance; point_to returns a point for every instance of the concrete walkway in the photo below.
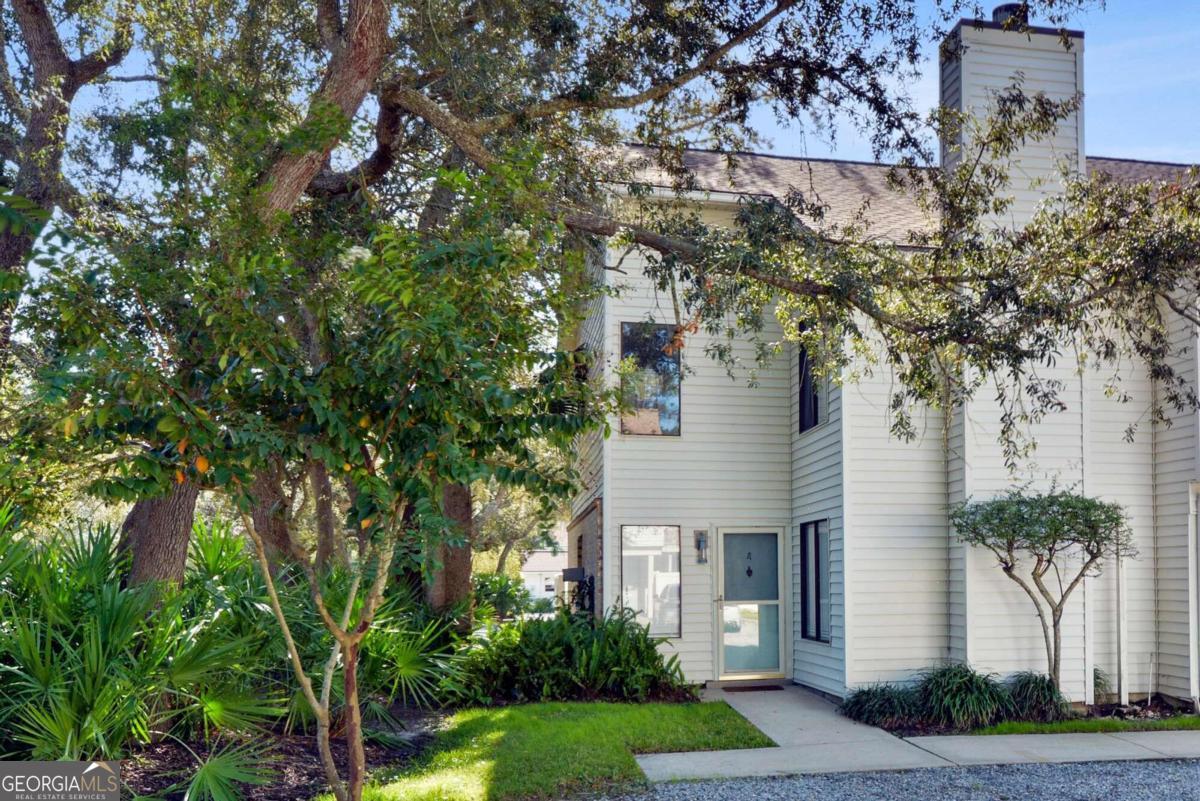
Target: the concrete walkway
pixel 813 738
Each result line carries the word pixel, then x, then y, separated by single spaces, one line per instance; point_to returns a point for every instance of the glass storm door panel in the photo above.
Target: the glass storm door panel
pixel 749 604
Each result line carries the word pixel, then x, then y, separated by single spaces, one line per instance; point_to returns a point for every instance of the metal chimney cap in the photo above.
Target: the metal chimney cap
pixel 1017 12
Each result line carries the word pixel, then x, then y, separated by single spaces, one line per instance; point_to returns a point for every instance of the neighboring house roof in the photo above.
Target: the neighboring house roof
pixel 546 561
pixel 848 189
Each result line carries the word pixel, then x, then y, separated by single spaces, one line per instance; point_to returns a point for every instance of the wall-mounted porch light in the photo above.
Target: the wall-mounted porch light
pixel 701 537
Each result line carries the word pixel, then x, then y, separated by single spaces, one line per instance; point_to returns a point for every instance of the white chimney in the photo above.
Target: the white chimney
pixel 983 57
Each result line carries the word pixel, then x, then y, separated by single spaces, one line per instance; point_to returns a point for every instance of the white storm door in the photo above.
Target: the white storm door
pixel 749 609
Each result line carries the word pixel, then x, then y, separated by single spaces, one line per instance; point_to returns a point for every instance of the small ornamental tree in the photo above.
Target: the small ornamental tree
pixel 1047 544
pixel 441 367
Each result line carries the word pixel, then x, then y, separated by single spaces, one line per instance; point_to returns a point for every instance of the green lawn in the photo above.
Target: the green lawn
pixel 1095 725
pixel 544 751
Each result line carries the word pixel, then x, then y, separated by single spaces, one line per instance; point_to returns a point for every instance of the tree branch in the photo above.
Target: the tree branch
pixel 1011 573
pixel 329 24
pixel 564 104
pixel 8 90
pixel 92 65
pixel 47 57
pixel 321 710
pixel 353 70
pixel 374 167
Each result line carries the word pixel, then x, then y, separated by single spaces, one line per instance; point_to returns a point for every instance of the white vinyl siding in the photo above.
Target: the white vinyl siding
pixel 729 467
pixel 991 622
pixel 904 594
pixel 1122 471
pixel 989 64
pixel 589 447
pixel 897 545
pixel 1174 471
pixel 816 473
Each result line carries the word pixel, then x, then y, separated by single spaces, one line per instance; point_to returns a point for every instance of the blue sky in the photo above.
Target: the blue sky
pixel 1141 87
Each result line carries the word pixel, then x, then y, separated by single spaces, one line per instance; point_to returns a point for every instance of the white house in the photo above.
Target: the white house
pixel 541 570
pixel 779 531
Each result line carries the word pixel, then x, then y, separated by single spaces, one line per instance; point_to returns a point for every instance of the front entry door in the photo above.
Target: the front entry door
pixel 749 613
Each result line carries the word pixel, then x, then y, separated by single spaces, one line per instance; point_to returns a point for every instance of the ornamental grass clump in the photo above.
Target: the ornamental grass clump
pixel 889 706
pixel 958 697
pixel 1036 699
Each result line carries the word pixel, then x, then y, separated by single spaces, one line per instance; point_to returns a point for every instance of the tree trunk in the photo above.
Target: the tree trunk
pixel 329 546
pixel 503 558
pixel 457 564
pixel 1056 665
pixel 157 532
pixel 355 756
pixel 269 514
pixel 451 584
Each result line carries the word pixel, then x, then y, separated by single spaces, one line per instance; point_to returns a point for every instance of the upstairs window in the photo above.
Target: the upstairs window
pixel 810 395
pixel 650 392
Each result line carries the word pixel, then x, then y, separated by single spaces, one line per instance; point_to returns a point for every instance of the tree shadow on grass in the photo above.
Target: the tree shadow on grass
pixel 552 750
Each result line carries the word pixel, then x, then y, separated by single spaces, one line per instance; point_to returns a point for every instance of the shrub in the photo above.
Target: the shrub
pixel 570 656
pixel 541 606
pixel 1035 698
pixel 93 669
pixel 888 706
pixel 957 697
pixel 507 595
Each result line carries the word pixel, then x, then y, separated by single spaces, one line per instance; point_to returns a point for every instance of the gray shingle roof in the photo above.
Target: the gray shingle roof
pixel 847 188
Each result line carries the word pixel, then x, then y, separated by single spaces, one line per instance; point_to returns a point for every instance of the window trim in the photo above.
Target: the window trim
pixel 621 571
pixel 817 636
pixel 679 392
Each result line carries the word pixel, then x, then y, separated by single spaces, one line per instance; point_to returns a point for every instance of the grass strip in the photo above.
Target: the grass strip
pixel 1096 726
pixel 551 750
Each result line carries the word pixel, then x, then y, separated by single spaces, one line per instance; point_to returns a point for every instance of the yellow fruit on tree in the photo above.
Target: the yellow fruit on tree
pixel 201 464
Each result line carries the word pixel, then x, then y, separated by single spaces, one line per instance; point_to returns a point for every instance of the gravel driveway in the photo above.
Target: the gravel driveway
pixel 1093 781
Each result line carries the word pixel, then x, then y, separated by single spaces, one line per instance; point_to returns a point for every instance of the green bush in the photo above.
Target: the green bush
pixel 1035 698
pixel 507 595
pixel 541 606
pixel 90 668
pixel 888 706
pixel 956 696
pixel 570 656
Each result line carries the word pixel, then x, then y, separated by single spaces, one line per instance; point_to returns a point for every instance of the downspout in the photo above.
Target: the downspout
pixel 1122 689
pixel 1085 441
pixel 1194 560
pixel 1154 554
pixel 1194 556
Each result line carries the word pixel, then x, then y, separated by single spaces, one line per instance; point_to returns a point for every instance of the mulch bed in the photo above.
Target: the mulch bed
pixel 298 772
pixel 1159 707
